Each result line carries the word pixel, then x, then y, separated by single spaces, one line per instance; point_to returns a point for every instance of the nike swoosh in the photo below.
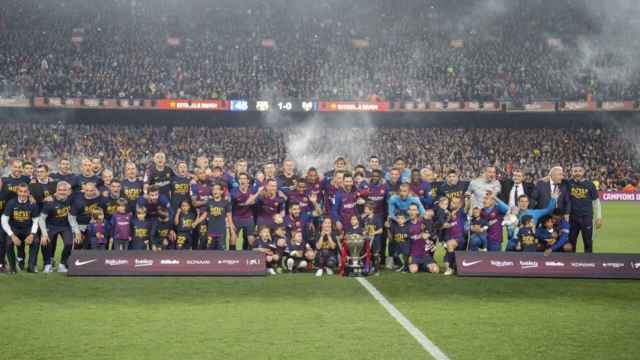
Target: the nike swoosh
pixel 528 266
pixel 80 263
pixel 465 263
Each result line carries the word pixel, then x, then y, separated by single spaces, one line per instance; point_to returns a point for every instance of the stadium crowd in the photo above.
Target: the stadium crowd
pixel 156 188
pixel 416 50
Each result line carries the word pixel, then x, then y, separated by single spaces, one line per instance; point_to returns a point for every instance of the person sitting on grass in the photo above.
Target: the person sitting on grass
pixel 326 248
pixel 551 238
pixel 299 253
pixel 264 244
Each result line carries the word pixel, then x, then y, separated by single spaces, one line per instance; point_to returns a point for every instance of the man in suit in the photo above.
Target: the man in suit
pixel 545 187
pixel 514 187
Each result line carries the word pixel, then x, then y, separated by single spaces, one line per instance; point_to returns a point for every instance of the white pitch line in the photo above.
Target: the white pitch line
pixel 429 346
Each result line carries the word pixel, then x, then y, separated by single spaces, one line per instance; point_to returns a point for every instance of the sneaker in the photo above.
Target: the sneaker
pixel 47 269
pixel 290 263
pixel 319 272
pixel 329 271
pixel 21 264
pixel 400 269
pixel 448 272
pixel 272 272
pixel 302 266
pixel 483 249
pixel 389 263
pixel 62 268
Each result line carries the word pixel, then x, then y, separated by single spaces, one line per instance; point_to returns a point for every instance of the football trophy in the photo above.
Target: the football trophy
pixel 356 253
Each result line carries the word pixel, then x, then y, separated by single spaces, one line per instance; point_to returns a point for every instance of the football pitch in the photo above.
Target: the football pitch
pixel 299 316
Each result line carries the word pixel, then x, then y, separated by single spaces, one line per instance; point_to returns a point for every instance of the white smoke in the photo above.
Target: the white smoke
pixel 314 144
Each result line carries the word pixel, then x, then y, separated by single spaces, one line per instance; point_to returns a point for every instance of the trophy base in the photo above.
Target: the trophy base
pixel 355 272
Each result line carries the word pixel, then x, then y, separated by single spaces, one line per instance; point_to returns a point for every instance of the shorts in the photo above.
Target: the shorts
pixel 422 260
pixel 216 241
pixel 403 248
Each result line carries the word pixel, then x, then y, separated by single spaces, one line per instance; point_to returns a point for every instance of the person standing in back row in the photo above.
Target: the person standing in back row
pixel 584 197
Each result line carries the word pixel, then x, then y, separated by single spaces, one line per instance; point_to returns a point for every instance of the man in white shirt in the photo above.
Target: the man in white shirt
pixel 483 184
pixel 514 187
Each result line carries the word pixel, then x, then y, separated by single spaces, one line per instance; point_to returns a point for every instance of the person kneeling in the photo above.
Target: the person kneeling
pixel 264 244
pixel 300 254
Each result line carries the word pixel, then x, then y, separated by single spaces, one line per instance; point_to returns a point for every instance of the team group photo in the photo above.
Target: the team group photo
pixel 319 179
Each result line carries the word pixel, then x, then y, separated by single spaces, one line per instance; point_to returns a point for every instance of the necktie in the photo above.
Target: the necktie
pixel 515 196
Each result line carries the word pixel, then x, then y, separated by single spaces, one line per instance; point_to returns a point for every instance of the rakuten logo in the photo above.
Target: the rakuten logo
pixel 501 263
pixel 116 262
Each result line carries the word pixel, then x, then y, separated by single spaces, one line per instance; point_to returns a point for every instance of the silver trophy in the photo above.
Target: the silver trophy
pixel 355 247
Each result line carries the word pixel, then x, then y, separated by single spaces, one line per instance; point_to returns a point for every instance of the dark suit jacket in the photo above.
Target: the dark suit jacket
pixel 542 194
pixel 507 185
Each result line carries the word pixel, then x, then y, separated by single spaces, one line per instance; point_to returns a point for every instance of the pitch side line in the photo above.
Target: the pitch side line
pixel 430 347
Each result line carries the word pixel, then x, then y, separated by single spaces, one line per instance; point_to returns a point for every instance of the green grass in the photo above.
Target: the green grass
pixel 301 317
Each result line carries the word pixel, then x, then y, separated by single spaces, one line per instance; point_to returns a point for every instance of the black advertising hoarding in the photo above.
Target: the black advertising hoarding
pixel 166 263
pixel 557 265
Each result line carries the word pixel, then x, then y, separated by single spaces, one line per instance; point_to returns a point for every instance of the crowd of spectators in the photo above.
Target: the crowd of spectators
pixel 610 155
pixel 410 50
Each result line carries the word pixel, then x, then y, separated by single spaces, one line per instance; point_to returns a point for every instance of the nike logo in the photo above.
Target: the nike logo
pixel 465 263
pixel 528 266
pixel 80 263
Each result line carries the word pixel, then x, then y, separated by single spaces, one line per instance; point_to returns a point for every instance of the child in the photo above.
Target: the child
pixel 548 238
pixel 399 246
pixel 454 235
pixel 479 226
pixel 263 243
pixel 561 226
pixel 142 230
pixel 121 226
pixel 281 241
pixel 354 226
pixel 97 231
pixel 372 228
pixel 441 216
pixel 185 222
pixel 163 228
pixel 300 253
pixel 527 241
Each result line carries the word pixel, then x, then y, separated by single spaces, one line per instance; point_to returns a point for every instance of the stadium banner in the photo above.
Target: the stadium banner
pixel 540 106
pixel 186 104
pixel 619 196
pixel 356 106
pixel 557 265
pixel 166 263
pixel 578 106
pixel 14 102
